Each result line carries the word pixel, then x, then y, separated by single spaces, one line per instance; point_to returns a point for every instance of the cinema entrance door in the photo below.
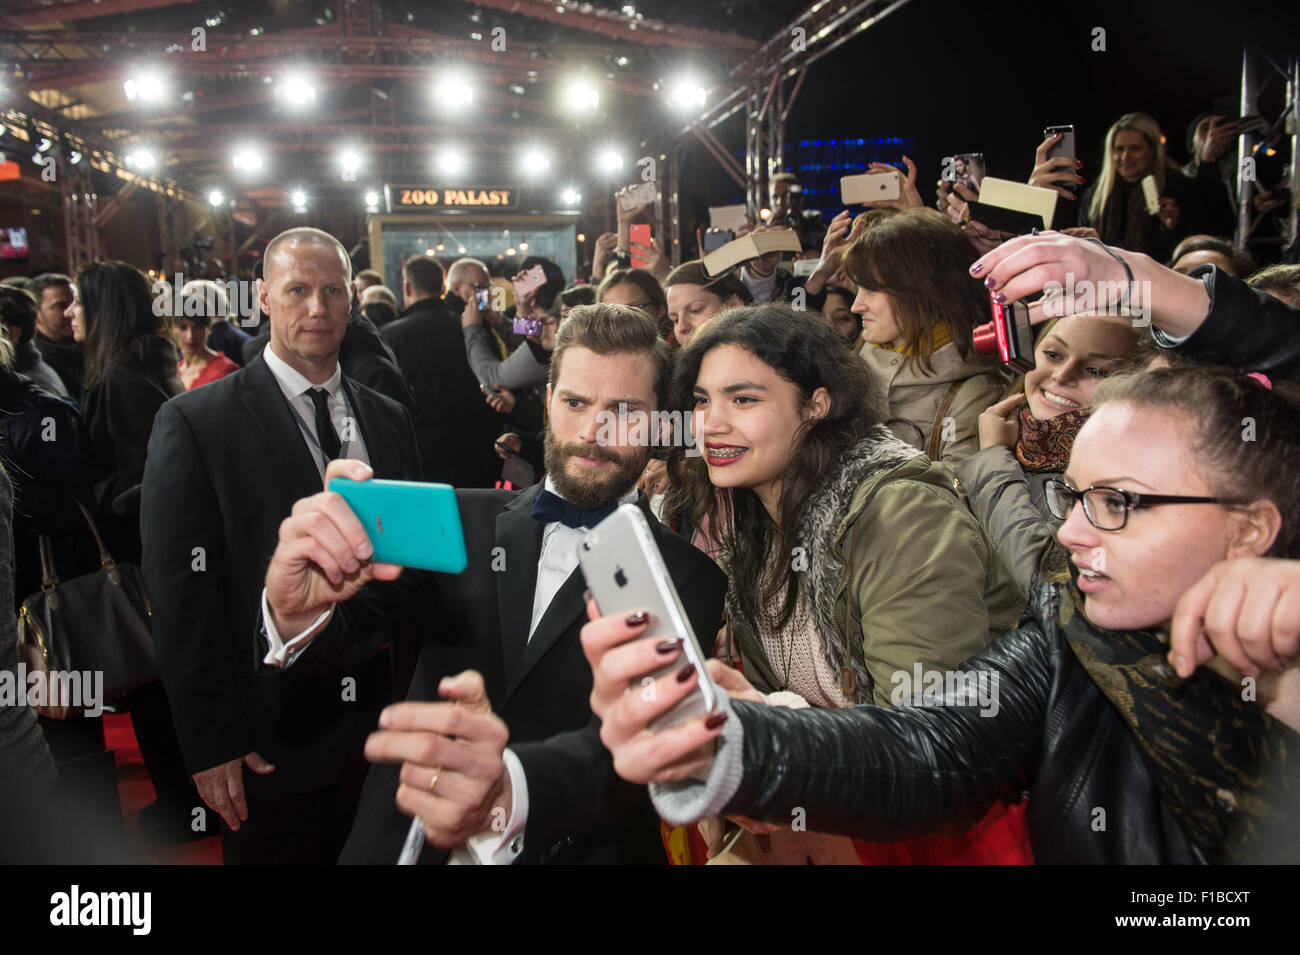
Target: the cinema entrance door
pixel 482 222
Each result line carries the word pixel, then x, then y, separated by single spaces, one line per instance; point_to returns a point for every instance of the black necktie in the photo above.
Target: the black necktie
pixel 325 433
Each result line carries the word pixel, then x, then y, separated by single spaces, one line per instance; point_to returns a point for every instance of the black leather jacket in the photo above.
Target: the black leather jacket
pixel 1245 328
pixel 883 774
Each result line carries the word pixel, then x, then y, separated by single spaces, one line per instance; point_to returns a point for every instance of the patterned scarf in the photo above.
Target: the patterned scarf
pixel 1228 771
pixel 1045 443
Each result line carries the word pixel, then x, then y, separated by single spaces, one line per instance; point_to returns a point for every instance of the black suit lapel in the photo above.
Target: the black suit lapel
pixel 383 454
pixel 269 408
pixel 520 538
pixel 562 614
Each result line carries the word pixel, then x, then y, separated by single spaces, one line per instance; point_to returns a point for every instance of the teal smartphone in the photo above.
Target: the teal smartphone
pixel 409 523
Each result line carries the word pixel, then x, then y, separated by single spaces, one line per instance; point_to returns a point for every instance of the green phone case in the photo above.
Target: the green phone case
pixel 409 523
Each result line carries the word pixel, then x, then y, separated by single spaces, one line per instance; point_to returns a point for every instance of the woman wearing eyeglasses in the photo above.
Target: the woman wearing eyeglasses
pixel 1179 497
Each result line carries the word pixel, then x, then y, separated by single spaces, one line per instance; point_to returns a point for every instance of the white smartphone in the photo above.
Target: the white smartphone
pixel 625 573
pixel 869 187
pixel 1151 194
pixel 637 196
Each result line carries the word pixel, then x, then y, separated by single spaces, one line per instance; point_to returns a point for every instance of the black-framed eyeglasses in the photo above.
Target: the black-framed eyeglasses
pixel 1107 508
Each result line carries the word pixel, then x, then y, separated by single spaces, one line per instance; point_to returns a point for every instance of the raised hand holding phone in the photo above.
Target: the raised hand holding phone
pixel 626 575
pixel 1055 165
pixel 324 555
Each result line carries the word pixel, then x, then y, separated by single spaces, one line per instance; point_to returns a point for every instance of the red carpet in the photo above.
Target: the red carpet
pixel 136 792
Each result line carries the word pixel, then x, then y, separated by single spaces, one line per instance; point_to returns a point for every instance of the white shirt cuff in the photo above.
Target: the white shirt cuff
pixel 279 653
pixel 500 847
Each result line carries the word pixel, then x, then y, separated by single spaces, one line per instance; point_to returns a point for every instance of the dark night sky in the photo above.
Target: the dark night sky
pixel 987 77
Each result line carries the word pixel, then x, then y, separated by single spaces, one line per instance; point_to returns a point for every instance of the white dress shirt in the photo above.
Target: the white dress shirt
pixel 557 560
pixel 296 390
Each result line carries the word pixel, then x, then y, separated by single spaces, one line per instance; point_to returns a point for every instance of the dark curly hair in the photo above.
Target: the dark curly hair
pixel 804 351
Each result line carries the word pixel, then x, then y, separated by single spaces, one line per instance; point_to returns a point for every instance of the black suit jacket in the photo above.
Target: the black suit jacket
pixel 226 463
pixel 579 809
pixel 454 426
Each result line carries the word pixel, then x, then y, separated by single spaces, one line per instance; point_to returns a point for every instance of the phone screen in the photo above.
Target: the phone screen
pixel 716 240
pixel 966 169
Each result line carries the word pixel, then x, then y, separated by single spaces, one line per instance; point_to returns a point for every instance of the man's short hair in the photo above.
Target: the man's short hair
pixel 38 285
pixel 1241 261
pixel 309 236
pixel 424 273
pixel 18 309
pixel 609 329
pixel 379 293
pixel 370 277
pixel 460 265
pixel 202 300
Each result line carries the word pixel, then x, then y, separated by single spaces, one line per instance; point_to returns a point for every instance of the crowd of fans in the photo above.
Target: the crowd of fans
pixel 1112 535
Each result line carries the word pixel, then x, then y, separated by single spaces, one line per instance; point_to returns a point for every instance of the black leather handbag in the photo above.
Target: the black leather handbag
pixel 96 622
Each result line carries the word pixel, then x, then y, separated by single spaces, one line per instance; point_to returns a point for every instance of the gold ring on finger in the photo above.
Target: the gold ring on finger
pixel 437 771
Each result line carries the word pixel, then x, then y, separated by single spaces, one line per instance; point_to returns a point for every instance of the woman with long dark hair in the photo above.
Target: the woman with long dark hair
pixel 130 372
pixel 851 556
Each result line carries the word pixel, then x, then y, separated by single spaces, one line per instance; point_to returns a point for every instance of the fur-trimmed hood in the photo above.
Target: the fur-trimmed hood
pixel 824 522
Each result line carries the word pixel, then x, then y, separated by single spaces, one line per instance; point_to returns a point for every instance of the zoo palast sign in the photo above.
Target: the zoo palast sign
pixel 403 198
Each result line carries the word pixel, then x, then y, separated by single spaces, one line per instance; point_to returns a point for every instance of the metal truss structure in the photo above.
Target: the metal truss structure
pixel 1248 146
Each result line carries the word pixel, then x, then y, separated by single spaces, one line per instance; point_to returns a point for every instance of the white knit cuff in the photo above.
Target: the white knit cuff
pixel 689 800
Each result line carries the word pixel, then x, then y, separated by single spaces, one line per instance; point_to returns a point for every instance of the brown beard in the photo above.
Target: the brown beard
pixel 592 494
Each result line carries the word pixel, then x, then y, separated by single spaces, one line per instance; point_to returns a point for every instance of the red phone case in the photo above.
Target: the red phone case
pixel 639 235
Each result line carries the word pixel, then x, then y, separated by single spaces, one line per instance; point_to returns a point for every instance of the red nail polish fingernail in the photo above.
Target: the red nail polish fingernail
pixel 716 720
pixel 667 646
pixel 638 618
pixel 586 596
pixel 977 268
pixel 1000 298
pixel 685 672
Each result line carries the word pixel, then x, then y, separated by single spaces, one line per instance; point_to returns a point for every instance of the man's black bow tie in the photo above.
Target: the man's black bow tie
pixel 550 507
